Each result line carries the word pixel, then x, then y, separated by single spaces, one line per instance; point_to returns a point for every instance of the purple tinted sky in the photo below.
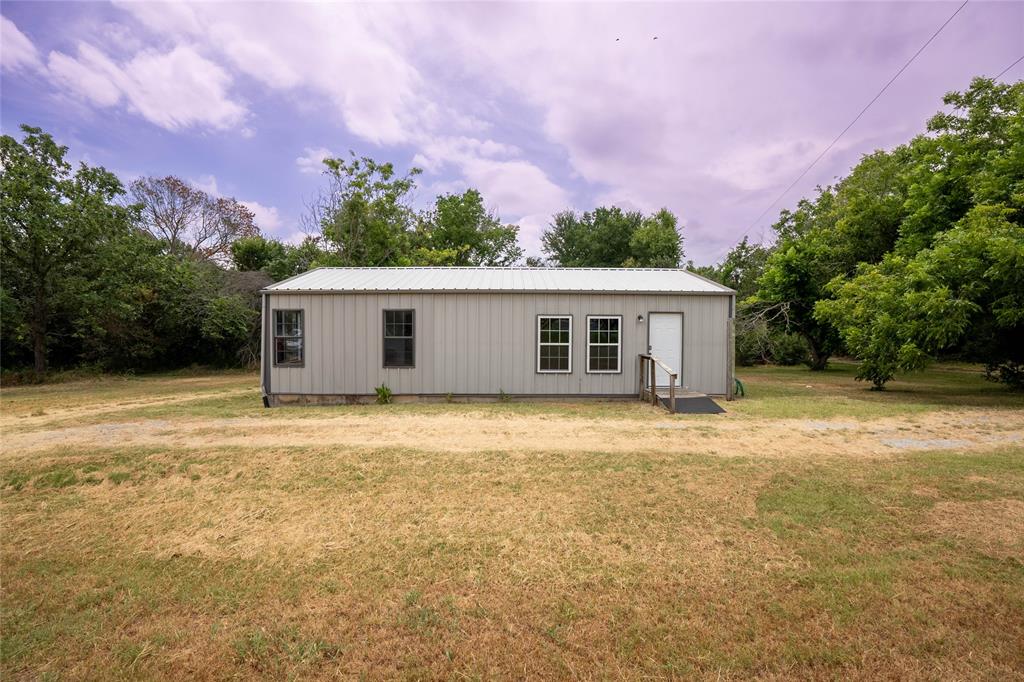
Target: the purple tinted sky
pixel 538 106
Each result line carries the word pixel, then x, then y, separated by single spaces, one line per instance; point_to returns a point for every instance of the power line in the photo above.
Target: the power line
pixel 857 117
pixel 1019 60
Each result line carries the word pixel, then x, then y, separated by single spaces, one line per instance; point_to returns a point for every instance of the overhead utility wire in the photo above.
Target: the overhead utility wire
pixel 857 117
pixel 1019 60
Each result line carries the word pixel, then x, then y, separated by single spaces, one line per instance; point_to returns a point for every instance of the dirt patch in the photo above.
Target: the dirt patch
pixel 473 431
pixel 925 443
pixel 829 426
pixel 995 527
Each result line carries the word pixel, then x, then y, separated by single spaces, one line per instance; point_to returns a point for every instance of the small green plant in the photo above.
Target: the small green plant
pixel 384 395
pixel 58 478
pixel 504 397
pixel 449 398
pixel 16 480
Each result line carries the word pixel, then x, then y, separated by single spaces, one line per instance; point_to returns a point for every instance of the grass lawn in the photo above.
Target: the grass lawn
pixel 169 526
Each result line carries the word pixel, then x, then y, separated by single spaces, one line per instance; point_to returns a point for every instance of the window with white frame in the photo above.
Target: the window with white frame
pixel 604 344
pixel 289 344
pixel 554 344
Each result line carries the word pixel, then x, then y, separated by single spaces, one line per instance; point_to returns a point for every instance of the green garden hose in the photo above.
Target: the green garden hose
pixel 739 388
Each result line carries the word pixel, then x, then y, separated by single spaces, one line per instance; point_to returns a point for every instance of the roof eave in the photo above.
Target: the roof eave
pixel 603 292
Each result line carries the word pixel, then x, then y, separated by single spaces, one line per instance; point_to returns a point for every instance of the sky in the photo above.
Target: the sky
pixel 542 107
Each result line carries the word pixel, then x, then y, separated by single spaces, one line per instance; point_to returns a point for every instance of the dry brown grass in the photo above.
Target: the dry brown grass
pixel 994 527
pixel 478 542
pixel 473 431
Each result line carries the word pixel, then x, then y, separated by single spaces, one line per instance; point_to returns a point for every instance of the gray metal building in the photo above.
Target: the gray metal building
pixel 333 335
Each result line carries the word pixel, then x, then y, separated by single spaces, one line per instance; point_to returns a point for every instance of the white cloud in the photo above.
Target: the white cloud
pixel 518 188
pixel 312 159
pixel 756 167
pixel 206 183
pixel 438 151
pixel 362 62
pixel 16 49
pixel 181 88
pixel 175 90
pixel 344 54
pixel 92 76
pixel 267 217
pixel 259 61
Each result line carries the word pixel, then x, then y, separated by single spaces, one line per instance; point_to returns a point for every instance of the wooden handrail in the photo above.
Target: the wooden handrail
pixel 672 378
pixel 661 364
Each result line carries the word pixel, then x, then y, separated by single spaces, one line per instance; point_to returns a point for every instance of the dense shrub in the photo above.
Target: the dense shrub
pixel 788 349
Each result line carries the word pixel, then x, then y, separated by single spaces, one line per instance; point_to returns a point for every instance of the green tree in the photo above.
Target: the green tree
pixel 365 214
pixel 229 323
pixel 256 253
pixel 598 238
pixel 461 231
pixel 971 155
pixel 796 273
pixel 953 281
pixel 656 243
pixel 897 315
pixel 856 221
pixel 740 269
pixel 52 220
pixel 138 307
pixel 611 237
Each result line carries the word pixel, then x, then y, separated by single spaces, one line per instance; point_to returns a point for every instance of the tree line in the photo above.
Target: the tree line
pixel 159 274
pixel 917 253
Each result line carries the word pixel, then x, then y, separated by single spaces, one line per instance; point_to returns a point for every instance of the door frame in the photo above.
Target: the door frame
pixel 682 336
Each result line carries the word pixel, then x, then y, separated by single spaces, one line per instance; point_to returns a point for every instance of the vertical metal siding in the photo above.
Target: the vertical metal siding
pixel 486 343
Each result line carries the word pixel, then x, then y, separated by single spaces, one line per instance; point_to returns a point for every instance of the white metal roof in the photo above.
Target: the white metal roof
pixel 471 279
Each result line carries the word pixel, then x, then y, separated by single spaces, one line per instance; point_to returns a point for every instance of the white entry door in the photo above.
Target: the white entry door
pixel 665 336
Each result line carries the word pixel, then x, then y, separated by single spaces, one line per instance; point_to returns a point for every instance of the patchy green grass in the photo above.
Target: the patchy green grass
pixel 796 392
pixel 787 554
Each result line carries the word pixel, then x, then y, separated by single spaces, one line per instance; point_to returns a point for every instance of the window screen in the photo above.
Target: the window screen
pixel 399 338
pixel 289 345
pixel 604 344
pixel 554 343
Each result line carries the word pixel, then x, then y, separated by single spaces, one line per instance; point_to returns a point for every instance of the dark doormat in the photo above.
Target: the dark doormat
pixel 695 405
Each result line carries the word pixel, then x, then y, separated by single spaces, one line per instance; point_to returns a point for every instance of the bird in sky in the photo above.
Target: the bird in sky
pixel 655 37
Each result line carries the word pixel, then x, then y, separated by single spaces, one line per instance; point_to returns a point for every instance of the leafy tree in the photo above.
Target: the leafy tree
pixel 599 238
pixel 954 277
pixel 740 269
pixel 256 253
pixel 795 275
pixel 228 324
pixel 190 221
pixel 461 231
pixel 971 155
pixel 897 315
pixel 365 215
pixel 656 243
pixel 762 332
pixel 309 254
pixel 52 220
pixel 138 307
pixel 856 221
pixel 611 237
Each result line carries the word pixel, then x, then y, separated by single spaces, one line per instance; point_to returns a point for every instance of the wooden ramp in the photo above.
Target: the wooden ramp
pixel 671 397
